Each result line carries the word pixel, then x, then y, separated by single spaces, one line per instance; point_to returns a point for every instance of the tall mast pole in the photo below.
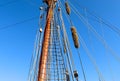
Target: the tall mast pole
pixel 46 39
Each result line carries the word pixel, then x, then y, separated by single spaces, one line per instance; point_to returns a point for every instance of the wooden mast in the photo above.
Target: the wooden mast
pixel 46 39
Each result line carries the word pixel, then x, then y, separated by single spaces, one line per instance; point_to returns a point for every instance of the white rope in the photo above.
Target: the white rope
pixel 85 47
pixel 108 59
pixel 90 57
pixel 66 38
pixel 97 35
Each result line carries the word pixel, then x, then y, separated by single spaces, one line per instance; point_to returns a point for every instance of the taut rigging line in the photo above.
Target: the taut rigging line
pixel 88 25
pixel 108 24
pixel 12 25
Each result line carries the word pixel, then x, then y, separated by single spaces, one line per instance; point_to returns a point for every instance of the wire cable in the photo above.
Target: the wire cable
pixel 85 47
pixel 83 71
pixel 108 59
pixel 21 22
pixel 65 37
pixel 105 22
pixel 68 44
pixel 91 58
pixel 96 34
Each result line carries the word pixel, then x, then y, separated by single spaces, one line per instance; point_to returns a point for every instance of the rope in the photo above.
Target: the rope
pixel 36 59
pixel 97 35
pixel 85 47
pixel 83 71
pixel 87 22
pixel 108 59
pixel 65 37
pixel 90 57
pixel 108 24
pixel 60 34
pixel 32 59
pixel 68 44
pixel 13 25
pixel 36 54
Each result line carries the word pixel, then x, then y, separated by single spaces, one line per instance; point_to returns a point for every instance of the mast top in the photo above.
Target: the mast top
pixel 49 2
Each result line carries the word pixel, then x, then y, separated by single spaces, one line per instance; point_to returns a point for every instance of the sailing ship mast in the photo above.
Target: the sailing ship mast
pixel 54 61
pixel 46 39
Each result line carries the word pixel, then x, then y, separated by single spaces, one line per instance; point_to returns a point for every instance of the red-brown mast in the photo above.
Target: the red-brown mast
pixel 45 45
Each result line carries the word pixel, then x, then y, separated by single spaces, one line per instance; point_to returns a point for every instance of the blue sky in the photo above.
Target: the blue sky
pixel 16 42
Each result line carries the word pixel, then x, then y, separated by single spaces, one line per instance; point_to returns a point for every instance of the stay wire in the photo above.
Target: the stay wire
pixel 65 37
pixel 21 22
pixel 91 58
pixel 89 36
pixel 93 61
pixel 68 44
pixel 83 71
pixel 108 59
pixel 35 59
pixel 37 46
pixel 32 58
pixel 105 22
pixel 63 40
pixel 67 41
pixel 64 30
pixel 97 35
pixel 108 24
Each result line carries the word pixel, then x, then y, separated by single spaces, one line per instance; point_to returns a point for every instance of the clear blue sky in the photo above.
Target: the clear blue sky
pixel 16 42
